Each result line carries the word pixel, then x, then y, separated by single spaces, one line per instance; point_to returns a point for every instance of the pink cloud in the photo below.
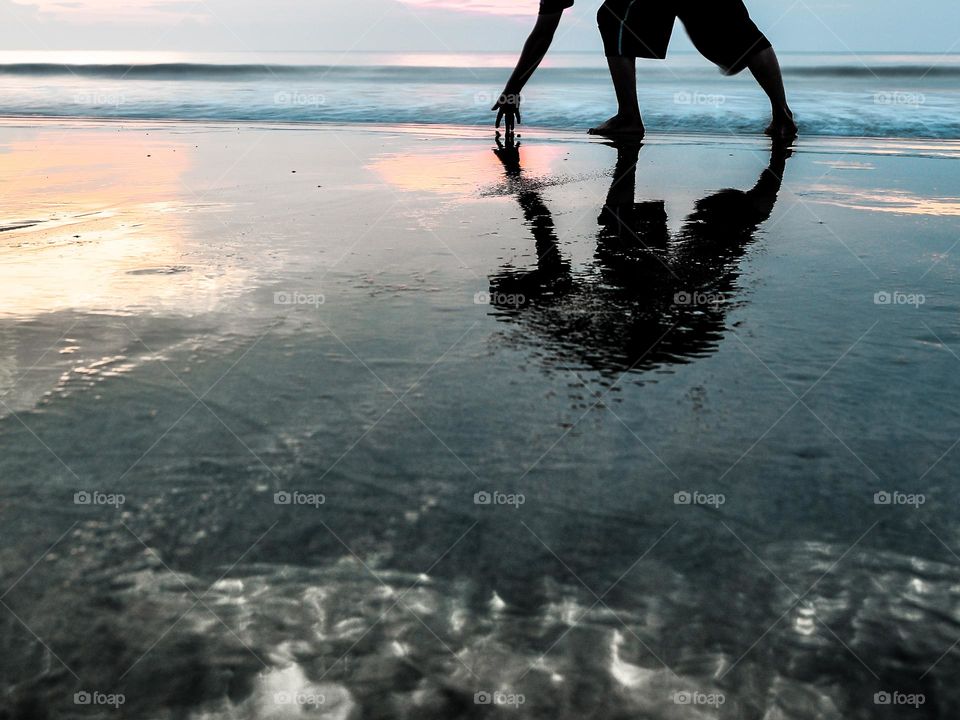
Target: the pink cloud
pixel 489 7
pixel 110 10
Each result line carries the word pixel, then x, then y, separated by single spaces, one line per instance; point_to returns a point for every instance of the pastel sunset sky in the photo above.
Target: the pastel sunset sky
pixel 436 25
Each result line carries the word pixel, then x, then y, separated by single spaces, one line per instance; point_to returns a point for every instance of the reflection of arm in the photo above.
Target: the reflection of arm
pixel 540 219
pixel 535 211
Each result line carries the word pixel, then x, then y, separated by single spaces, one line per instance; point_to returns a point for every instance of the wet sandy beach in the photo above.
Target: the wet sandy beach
pixel 395 423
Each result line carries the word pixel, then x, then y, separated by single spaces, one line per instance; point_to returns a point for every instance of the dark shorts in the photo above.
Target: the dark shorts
pixel 720 29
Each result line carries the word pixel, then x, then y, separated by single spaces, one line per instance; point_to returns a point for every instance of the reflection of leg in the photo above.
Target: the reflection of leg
pixel 626 224
pixel 623 188
pixel 763 195
pixel 623 72
pixel 766 69
pixel 618 207
pixel 723 224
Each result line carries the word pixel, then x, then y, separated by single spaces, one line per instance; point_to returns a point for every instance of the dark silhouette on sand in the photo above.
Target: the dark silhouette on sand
pixel 650 299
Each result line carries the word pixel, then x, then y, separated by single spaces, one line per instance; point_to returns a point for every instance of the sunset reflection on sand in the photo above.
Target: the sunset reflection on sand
pixel 96 222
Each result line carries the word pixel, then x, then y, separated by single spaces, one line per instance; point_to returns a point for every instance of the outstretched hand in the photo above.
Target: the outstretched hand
pixel 508 111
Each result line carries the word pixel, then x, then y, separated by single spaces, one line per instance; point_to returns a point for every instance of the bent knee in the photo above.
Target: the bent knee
pixel 607 18
pixel 610 20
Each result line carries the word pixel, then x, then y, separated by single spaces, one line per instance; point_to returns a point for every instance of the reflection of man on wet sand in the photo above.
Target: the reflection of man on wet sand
pixel 650 299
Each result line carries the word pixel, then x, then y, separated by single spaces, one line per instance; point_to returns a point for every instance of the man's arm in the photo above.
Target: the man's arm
pixel 534 50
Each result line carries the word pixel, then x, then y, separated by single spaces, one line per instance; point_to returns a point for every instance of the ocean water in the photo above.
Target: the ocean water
pixel 386 425
pixel 870 95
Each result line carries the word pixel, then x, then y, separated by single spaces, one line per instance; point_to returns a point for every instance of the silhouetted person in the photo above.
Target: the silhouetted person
pixel 650 299
pixel 720 29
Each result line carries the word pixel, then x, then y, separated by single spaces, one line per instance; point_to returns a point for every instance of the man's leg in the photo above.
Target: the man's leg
pixel 724 33
pixel 766 69
pixel 627 34
pixel 623 72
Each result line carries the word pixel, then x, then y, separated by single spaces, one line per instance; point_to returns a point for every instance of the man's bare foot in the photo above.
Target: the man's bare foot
pixel 782 128
pixel 618 125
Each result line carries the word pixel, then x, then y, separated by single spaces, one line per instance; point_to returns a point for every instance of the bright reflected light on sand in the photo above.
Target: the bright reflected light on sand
pixel 890 201
pixel 458 173
pixel 91 223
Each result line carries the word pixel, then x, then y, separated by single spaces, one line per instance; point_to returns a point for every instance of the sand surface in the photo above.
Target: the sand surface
pixel 386 419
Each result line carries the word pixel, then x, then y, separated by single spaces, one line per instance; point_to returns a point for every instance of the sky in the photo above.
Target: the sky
pixel 437 25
